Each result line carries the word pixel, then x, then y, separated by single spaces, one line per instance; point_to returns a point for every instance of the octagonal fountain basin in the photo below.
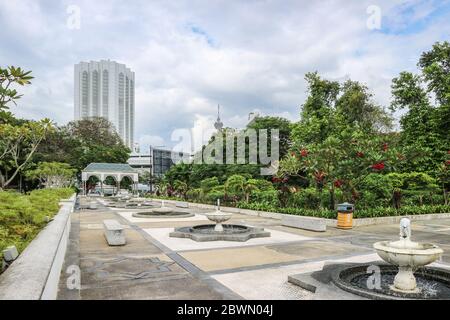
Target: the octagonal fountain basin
pixel 229 232
pixel 155 213
pixel 432 283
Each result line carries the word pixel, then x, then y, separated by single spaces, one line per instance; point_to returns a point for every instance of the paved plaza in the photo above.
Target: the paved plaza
pixel 154 266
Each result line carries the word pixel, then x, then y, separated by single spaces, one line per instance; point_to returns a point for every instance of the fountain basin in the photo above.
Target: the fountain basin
pixel 433 283
pixel 130 205
pixel 163 210
pixel 230 232
pixel 417 255
pixel 172 214
pixel 219 217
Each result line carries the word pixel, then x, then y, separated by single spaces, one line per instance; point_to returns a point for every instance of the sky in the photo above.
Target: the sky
pixel 189 56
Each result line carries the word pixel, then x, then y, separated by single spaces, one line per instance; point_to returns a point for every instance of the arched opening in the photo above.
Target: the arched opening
pixel 127 183
pixel 110 185
pixel 92 185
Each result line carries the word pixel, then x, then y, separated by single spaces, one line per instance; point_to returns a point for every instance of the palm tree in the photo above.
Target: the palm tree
pixel 181 187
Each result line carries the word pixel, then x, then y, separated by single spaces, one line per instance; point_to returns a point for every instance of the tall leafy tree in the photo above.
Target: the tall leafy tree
pixel 269 123
pixel 425 124
pixel 355 108
pixel 316 117
pixel 82 142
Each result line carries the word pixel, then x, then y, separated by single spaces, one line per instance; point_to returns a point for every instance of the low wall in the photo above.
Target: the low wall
pixel 396 219
pixel 35 273
pixel 265 214
pixel 328 222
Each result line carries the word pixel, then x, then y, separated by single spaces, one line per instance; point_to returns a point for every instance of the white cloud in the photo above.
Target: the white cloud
pixel 145 141
pixel 190 56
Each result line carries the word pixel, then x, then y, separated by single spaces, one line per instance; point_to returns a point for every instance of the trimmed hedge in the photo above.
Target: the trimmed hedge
pixel 23 216
pixel 362 213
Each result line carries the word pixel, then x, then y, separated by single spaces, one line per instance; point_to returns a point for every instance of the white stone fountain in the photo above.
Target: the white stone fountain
pixel 219 217
pixel 408 256
pixel 163 209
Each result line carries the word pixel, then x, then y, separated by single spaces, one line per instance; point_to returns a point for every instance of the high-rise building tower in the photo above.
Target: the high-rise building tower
pixel 218 124
pixel 106 89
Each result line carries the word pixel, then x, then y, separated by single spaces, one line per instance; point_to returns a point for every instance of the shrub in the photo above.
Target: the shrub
pixel 308 198
pixel 359 213
pixel 207 184
pixel 23 216
pixel 267 197
pixel 215 193
pixel 194 194
pixel 378 185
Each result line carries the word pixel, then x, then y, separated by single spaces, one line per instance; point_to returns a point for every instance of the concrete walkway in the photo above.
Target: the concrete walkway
pixel 154 266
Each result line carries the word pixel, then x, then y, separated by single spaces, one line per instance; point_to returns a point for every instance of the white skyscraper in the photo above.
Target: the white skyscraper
pixel 106 89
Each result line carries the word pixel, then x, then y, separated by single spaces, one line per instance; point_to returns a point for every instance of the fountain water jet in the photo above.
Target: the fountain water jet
pixel 218 217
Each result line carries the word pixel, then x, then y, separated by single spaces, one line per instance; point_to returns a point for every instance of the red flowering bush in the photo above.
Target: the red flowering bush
pixel 343 162
pixel 378 166
pixel 304 153
pixel 338 183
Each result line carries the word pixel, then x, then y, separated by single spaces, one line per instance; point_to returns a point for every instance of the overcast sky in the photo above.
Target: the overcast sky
pixel 189 56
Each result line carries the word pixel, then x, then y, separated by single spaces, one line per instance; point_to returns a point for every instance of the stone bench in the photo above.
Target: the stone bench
pixel 114 233
pixel 307 223
pixel 92 205
pixel 182 204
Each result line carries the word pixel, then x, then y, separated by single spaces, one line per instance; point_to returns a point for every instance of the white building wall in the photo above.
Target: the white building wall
pixel 108 108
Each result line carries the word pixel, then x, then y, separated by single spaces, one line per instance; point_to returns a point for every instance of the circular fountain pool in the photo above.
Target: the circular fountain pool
pixel 432 283
pixel 131 205
pixel 156 214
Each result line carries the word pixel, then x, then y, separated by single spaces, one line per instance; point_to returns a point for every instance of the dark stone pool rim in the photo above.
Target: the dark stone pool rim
pixel 231 232
pixel 343 274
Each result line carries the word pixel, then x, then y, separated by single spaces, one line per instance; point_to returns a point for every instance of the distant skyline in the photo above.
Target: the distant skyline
pixel 190 56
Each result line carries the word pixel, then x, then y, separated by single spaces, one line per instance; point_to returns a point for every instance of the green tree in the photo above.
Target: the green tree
pixel 355 108
pixel 209 183
pixel 9 77
pixel 235 187
pixel 181 188
pixel 425 124
pixel 269 123
pixel 53 174
pixel 82 142
pixel 18 145
pixel 342 162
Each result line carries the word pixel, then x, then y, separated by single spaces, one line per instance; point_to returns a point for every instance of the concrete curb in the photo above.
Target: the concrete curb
pixel 35 274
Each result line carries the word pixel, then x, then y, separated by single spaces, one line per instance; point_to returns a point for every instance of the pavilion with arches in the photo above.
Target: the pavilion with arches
pixel 117 171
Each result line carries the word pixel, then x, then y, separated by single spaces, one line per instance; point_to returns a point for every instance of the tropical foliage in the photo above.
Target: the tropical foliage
pixel 345 148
